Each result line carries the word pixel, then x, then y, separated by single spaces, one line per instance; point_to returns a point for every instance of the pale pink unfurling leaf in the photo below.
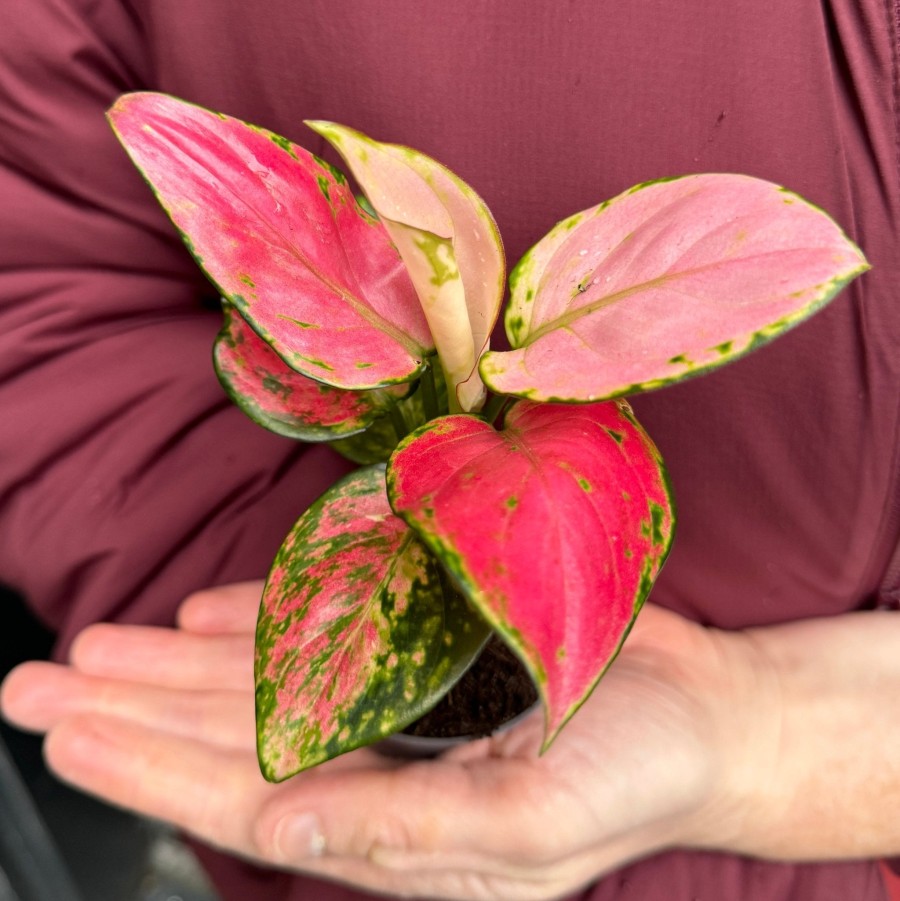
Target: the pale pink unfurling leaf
pixel 449 242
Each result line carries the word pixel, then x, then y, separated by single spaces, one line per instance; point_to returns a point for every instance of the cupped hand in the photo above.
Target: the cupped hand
pixel 161 721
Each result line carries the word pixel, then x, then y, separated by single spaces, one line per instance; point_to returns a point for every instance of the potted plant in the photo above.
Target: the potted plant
pixel 501 493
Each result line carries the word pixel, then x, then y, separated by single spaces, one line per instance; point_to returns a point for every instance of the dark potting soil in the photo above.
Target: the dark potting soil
pixel 492 691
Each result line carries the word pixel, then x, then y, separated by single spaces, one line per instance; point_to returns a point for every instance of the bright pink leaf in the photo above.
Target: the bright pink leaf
pixel 665 281
pixel 359 632
pixel 282 237
pixel 284 401
pixel 555 529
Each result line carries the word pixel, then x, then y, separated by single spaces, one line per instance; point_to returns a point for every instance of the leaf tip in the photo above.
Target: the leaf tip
pixel 318 125
pixel 122 108
pixel 553 725
pixel 331 131
pixel 268 773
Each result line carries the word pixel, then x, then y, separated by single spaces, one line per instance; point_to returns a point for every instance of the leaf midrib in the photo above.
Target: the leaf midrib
pixel 566 319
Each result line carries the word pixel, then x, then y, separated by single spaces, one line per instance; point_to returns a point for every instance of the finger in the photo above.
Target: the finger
pixel 213 793
pixel 499 829
pixel 219 796
pixel 37 696
pixel 165 657
pixel 229 609
pixel 522 740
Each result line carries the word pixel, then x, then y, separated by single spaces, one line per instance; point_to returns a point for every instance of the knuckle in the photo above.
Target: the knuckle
pixel 382 830
pixel 85 644
pixel 264 837
pixel 200 598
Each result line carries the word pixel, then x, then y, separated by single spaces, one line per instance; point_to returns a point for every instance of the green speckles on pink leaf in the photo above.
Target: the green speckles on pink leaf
pixel 439 255
pixel 284 401
pixel 283 143
pixel 536 568
pixel 359 633
pixel 659 520
pixel 666 281
pixel 254 208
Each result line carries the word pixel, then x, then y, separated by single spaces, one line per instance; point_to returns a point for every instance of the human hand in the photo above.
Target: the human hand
pixel 161 721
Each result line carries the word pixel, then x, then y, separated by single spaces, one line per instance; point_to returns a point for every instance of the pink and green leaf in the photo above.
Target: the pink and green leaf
pixel 448 240
pixel 283 239
pixel 555 529
pixel 666 281
pixel 284 401
pixel 359 632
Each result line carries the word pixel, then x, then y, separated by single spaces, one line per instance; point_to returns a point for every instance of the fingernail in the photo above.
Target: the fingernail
pixel 299 836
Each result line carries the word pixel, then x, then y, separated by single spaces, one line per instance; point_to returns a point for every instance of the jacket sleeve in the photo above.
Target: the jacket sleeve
pixel 127 478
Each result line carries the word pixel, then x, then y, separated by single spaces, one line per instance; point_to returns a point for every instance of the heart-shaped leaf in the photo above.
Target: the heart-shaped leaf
pixel 555 529
pixel 284 401
pixel 282 237
pixel 359 633
pixel 448 240
pixel 666 281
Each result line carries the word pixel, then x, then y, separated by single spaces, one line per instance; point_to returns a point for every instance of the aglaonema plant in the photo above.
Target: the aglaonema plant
pixel 509 492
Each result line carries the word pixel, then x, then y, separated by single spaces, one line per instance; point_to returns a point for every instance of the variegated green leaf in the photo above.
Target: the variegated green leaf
pixel 359 633
pixel 284 401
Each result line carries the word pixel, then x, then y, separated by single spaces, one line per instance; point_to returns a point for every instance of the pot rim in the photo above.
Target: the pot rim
pixel 423 747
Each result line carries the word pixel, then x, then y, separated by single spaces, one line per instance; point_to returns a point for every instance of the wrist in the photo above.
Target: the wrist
pixel 804 764
pixel 718 709
pixel 737 713
pixel 746 734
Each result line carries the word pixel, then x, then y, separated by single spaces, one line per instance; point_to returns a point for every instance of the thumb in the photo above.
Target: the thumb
pixel 429 811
